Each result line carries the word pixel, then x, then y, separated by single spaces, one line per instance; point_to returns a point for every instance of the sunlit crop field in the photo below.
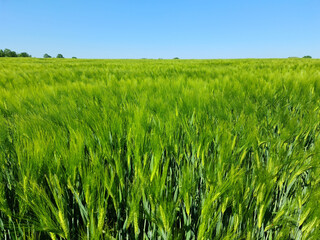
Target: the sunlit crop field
pixel 159 149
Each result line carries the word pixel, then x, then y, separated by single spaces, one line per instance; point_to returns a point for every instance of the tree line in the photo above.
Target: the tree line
pixel 8 53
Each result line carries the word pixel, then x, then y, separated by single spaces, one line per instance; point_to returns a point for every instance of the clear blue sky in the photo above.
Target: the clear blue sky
pixel 162 28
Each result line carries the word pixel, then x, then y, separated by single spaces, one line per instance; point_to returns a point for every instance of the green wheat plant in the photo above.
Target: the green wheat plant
pixel 159 149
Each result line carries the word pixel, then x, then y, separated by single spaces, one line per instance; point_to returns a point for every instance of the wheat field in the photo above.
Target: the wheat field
pixel 159 149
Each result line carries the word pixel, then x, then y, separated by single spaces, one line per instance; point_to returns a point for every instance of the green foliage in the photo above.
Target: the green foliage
pixel 8 53
pixel 24 54
pixel 159 149
pixel 60 55
pixel 74 57
pixel 46 55
pixel 307 57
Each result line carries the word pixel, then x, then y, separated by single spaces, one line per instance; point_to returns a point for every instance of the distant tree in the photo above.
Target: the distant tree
pixel 307 57
pixel 14 54
pixel 46 55
pixel 74 57
pixel 1 53
pixel 176 58
pixel 24 54
pixel 60 55
pixel 9 53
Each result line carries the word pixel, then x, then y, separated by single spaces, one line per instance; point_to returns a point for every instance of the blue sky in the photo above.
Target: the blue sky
pixel 162 29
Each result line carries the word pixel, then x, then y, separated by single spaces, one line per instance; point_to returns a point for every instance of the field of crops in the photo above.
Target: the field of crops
pixel 159 149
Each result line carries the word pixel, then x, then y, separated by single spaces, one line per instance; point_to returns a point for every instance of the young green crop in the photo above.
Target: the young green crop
pixel 159 149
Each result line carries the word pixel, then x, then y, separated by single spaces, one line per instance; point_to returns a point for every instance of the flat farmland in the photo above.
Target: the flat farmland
pixel 159 149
